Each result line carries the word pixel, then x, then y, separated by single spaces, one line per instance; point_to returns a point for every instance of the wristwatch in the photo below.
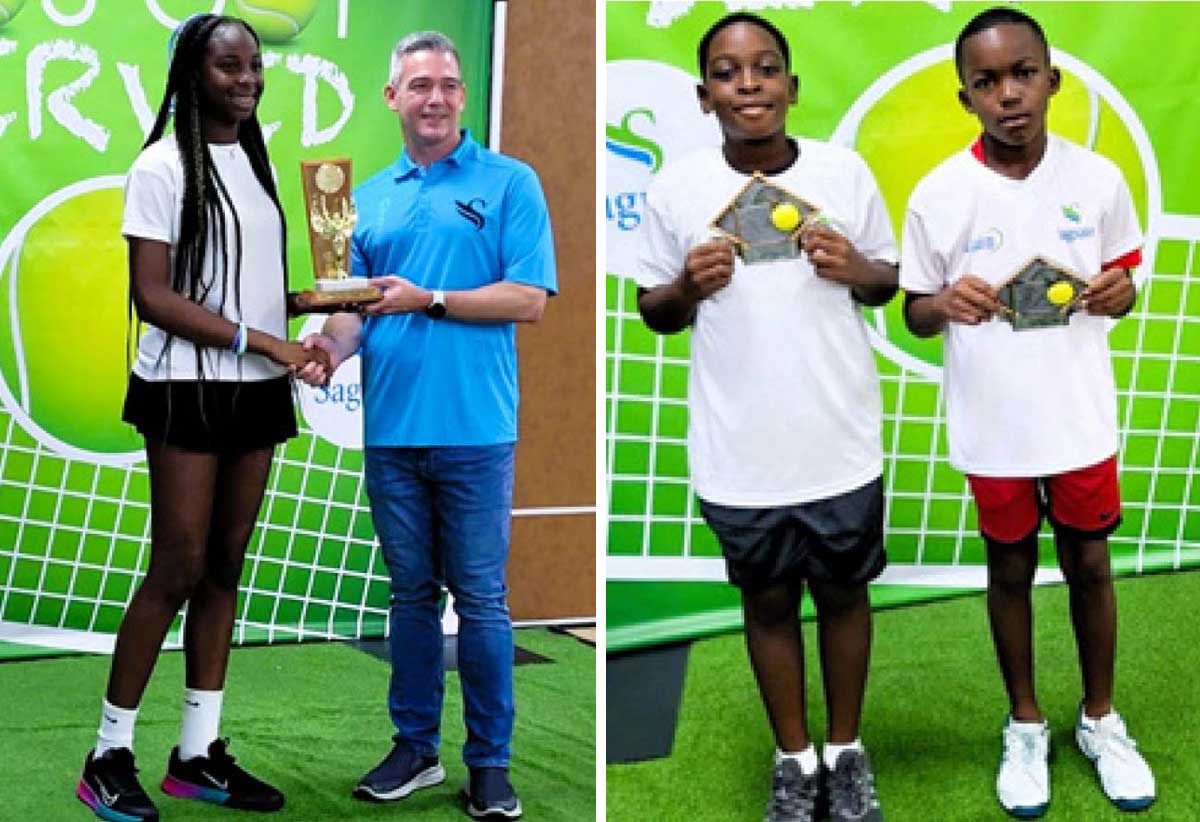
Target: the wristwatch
pixel 437 306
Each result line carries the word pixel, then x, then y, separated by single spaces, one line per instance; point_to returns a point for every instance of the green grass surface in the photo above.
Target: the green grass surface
pixel 310 718
pixel 934 710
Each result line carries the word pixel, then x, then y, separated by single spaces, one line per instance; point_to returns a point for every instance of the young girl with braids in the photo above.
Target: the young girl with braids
pixel 210 393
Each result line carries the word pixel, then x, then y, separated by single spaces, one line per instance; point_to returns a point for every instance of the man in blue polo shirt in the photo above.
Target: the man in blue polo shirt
pixel 458 237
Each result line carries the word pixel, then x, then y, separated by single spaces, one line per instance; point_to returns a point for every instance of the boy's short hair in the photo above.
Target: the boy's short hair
pixel 740 17
pixel 995 16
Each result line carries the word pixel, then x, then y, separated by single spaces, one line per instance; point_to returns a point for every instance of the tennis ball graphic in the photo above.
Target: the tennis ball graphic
pixel 276 21
pixel 64 327
pixel 785 217
pixel 919 118
pixel 9 9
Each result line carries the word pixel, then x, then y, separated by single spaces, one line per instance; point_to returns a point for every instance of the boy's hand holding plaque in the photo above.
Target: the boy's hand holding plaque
pixel 331 216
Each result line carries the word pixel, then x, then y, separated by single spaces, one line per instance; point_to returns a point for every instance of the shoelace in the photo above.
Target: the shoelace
pixel 1114 740
pixel 223 762
pixel 791 794
pixel 1025 745
pixel 122 774
pixel 852 788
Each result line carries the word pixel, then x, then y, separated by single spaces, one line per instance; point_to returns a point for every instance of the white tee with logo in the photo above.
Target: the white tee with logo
pixel 153 200
pixel 1041 401
pixel 783 394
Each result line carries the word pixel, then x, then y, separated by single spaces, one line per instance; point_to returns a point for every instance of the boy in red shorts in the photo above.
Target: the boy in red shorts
pixel 1032 412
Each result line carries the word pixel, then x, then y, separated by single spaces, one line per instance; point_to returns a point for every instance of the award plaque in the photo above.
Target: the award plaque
pixel 331 218
pixel 765 221
pixel 1041 294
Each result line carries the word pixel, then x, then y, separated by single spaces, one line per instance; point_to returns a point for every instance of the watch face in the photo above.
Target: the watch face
pixel 436 311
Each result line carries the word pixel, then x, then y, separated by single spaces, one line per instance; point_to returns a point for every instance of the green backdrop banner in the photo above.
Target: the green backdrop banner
pixel 82 81
pixel 879 77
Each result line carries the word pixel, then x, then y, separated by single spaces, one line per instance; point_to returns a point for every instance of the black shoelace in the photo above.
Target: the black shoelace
pixel 121 773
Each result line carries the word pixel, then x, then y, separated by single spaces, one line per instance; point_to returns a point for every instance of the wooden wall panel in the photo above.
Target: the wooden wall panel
pixel 549 121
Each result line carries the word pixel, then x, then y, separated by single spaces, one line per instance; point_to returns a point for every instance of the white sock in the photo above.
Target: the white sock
pixel 201 722
pixel 116 728
pixel 806 759
pixel 832 752
pixel 1089 722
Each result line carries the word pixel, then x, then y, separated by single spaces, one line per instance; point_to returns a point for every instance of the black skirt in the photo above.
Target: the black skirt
pixel 212 417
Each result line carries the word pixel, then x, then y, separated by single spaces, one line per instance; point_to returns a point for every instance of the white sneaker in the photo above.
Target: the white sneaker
pixel 1023 784
pixel 1124 774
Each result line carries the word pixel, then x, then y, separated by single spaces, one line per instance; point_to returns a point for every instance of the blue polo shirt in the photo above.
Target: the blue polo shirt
pixel 474 217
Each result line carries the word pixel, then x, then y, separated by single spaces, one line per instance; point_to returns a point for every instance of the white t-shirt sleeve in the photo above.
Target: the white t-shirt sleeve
pixel 1119 231
pixel 921 271
pixel 660 250
pixel 875 239
pixel 151 205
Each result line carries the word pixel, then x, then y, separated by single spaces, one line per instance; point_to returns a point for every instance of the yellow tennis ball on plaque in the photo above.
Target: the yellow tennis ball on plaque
pixel 785 217
pixel 1060 293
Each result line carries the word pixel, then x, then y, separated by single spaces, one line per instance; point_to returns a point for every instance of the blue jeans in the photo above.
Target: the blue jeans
pixel 443 515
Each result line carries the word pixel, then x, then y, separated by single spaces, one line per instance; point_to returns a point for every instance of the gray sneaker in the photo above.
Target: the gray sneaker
pixel 851 788
pixel 793 795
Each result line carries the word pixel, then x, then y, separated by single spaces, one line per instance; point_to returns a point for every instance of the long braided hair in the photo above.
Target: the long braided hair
pixel 204 191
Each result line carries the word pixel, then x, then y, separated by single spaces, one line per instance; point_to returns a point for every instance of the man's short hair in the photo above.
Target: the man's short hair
pixel 741 17
pixel 420 41
pixel 989 19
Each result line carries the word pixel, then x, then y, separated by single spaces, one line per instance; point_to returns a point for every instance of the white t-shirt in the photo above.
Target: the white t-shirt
pixel 1041 401
pixel 153 201
pixel 783 393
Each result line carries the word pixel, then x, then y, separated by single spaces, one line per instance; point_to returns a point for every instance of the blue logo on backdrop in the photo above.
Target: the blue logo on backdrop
pixel 624 208
pixel 347 395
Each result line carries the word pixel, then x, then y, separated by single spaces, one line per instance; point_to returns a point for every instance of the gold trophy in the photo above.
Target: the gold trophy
pixel 331 218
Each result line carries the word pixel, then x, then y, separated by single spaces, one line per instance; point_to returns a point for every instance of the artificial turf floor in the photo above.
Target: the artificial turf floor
pixel 934 709
pixel 311 719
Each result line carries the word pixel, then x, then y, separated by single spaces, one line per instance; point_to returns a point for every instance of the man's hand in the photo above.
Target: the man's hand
pixel 399 296
pixel 707 269
pixel 322 360
pixel 1110 293
pixel 969 301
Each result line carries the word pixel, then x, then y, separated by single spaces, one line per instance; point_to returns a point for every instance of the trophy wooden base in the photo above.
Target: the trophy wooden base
pixel 331 302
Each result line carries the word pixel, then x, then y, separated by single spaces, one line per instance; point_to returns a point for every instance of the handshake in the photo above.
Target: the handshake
pixel 321 359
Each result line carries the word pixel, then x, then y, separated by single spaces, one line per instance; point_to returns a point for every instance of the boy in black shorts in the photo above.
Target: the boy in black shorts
pixel 784 439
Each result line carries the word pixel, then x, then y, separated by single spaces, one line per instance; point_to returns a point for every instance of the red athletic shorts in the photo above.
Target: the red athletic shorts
pixel 1086 501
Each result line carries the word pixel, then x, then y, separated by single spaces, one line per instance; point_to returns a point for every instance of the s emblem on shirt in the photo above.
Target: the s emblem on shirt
pixel 467 211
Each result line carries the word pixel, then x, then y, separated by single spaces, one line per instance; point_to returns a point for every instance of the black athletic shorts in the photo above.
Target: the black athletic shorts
pixel 839 539
pixel 212 417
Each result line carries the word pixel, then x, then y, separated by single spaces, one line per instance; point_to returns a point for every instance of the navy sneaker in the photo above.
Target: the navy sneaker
pixel 795 796
pixel 400 773
pixel 217 778
pixel 851 786
pixel 491 796
pixel 110 787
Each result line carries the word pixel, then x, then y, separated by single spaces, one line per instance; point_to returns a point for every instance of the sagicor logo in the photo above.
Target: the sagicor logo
pixel 622 141
pixel 467 211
